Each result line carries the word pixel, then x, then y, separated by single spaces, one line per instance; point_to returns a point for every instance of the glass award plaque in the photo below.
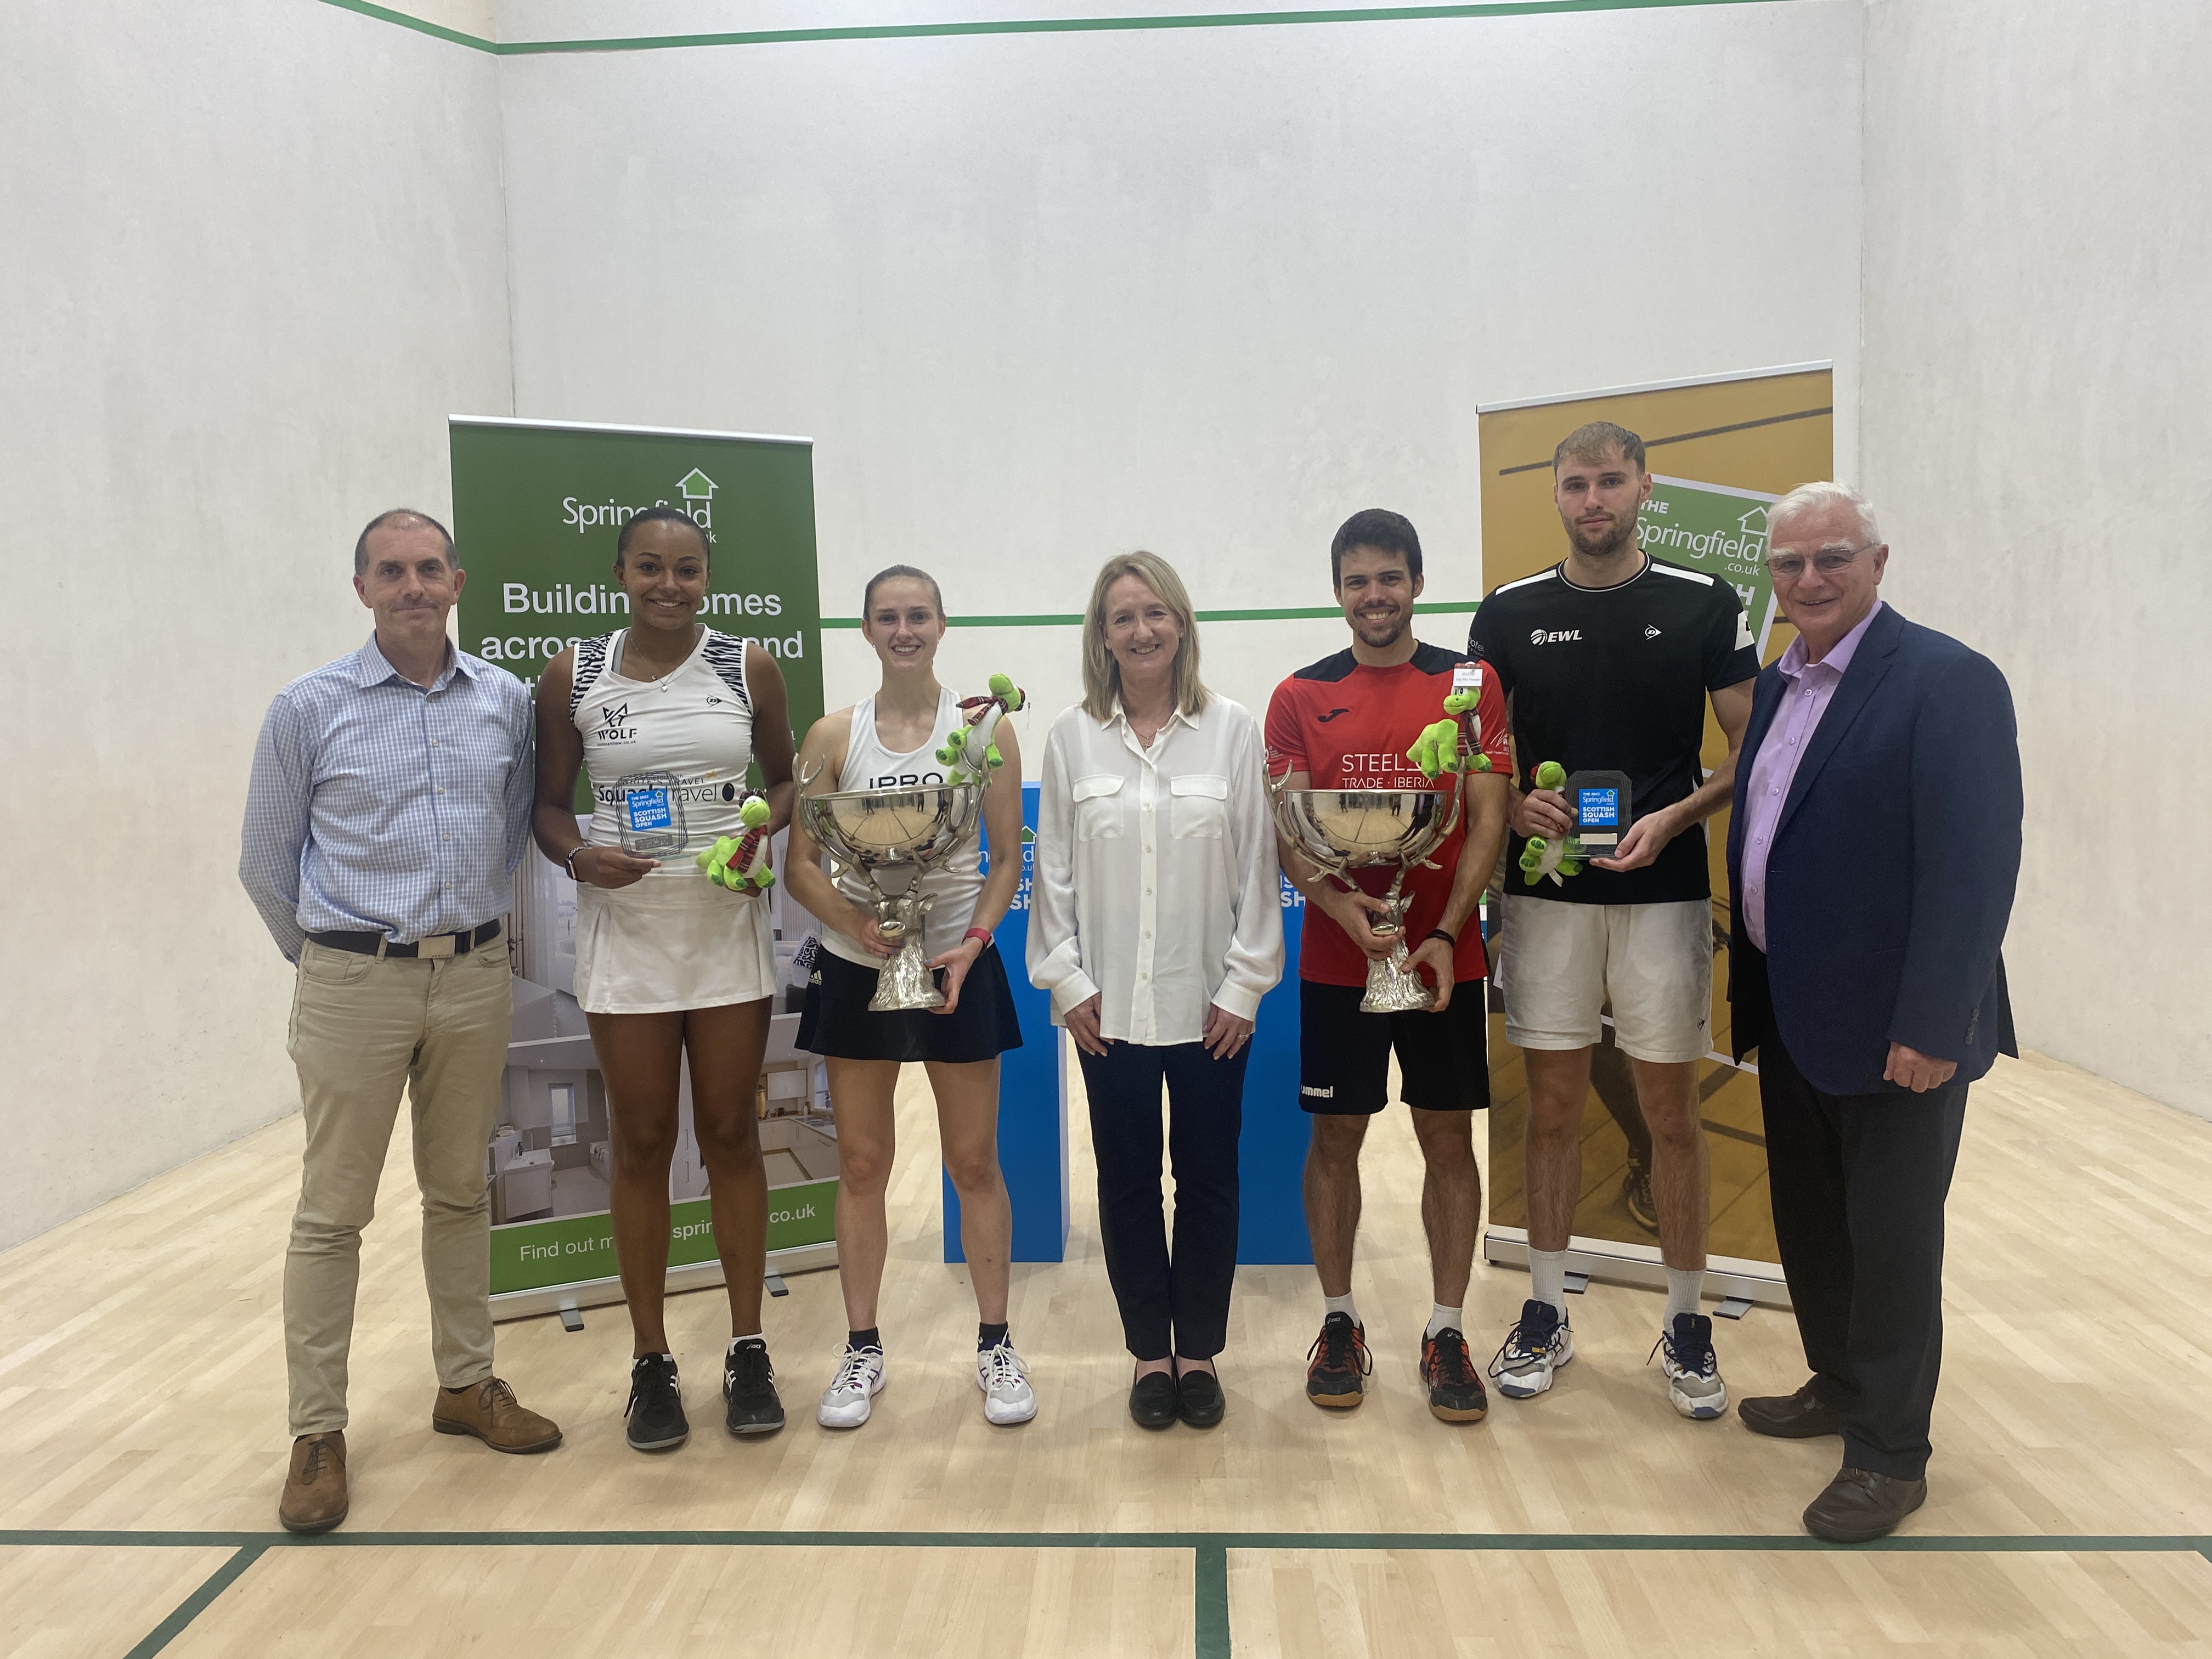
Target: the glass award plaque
pixel 1602 810
pixel 649 814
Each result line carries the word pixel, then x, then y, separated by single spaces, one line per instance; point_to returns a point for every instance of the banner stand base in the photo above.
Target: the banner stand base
pixel 1726 1276
pixel 568 1300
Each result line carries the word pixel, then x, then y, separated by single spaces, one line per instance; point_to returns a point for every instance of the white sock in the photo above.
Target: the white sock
pixel 1340 1304
pixel 1684 1286
pixel 1548 1277
pixel 755 1337
pixel 1442 1318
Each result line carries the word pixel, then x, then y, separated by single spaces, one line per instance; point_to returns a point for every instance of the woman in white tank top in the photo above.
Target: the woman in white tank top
pixel 883 741
pixel 666 715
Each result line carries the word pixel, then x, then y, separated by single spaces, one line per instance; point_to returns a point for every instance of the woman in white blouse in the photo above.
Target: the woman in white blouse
pixel 1155 922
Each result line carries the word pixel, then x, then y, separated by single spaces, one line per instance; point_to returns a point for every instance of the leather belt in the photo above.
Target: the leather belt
pixel 437 946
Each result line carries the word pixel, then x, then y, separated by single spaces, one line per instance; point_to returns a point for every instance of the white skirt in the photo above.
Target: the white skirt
pixel 671 943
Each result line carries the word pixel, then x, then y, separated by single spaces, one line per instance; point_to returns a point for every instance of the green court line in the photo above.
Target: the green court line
pixel 1211 1593
pixel 1210 1551
pixel 1027 25
pixel 1074 618
pixel 193 1605
pixel 385 14
pixel 1501 1543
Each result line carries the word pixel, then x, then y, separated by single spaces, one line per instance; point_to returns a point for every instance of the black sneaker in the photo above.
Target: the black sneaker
pixel 1636 1195
pixel 1337 1375
pixel 1455 1393
pixel 748 1386
pixel 655 1411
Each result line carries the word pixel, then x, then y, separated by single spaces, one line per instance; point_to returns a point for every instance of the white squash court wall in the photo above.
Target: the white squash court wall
pixel 1041 298
pixel 250 255
pixel 2039 321
pixel 1038 297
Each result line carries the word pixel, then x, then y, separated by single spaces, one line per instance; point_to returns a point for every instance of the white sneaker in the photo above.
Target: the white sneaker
pixel 860 1379
pixel 1005 1380
pixel 1694 1371
pixel 1539 1342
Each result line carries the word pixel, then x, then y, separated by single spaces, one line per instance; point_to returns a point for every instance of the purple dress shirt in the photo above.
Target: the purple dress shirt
pixel 1774 769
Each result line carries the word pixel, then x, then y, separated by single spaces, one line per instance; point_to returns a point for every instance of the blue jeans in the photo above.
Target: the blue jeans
pixel 1172 1301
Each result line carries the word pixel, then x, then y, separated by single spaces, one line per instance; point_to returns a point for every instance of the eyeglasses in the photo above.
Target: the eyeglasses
pixel 1829 562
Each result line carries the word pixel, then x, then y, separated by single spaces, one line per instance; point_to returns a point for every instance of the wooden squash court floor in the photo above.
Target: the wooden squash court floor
pixel 141 1444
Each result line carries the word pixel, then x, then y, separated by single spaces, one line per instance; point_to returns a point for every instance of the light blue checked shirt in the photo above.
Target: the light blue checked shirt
pixel 377 806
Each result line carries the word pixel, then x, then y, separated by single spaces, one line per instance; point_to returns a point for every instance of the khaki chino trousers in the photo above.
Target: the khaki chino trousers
pixel 362 1032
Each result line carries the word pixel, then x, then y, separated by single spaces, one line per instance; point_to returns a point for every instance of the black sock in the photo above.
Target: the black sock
pixel 989 1336
pixel 870 1338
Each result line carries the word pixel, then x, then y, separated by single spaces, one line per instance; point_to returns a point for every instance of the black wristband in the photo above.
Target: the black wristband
pixel 1451 940
pixel 569 864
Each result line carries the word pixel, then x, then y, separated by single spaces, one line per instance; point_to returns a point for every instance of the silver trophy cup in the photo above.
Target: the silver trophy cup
pixel 879 831
pixel 1341 830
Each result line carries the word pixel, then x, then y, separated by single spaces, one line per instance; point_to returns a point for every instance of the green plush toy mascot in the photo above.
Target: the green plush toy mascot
pixel 1541 858
pixel 969 755
pixel 741 863
pixel 1437 751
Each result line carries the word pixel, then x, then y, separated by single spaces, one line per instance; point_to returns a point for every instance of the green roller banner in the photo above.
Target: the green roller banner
pixel 1716 528
pixel 536 505
pixel 537 509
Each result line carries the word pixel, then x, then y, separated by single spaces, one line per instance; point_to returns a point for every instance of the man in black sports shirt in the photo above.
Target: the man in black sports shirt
pixel 1608 660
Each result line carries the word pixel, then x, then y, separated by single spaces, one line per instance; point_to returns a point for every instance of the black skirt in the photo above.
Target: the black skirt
pixel 838 1023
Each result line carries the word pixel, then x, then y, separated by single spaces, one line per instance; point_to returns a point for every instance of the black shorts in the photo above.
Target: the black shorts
pixel 1344 1055
pixel 838 1023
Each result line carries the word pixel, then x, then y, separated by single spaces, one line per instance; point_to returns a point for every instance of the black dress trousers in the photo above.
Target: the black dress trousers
pixel 1172 1300
pixel 1858 1183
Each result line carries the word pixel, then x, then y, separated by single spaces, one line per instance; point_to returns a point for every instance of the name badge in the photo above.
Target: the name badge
pixel 1466 676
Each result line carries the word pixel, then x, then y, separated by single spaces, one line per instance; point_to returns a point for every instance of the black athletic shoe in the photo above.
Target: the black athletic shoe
pixel 748 1386
pixel 655 1411
pixel 1455 1393
pixel 1636 1194
pixel 1337 1374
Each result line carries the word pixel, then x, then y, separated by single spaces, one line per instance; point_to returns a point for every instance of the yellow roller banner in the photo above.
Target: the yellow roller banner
pixel 1718 451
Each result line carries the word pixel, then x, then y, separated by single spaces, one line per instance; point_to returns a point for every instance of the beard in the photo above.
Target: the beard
pixel 1381 635
pixel 1615 538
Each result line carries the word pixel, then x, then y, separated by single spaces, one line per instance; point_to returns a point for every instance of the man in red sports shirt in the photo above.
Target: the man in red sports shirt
pixel 1346 723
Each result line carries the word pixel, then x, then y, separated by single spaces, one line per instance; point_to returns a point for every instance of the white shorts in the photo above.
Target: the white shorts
pixel 1558 963
pixel 671 942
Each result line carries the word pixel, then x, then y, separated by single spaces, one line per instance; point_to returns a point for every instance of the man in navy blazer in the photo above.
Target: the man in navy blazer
pixel 1872 854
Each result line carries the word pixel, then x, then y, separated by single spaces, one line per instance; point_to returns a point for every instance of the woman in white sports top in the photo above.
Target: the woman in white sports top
pixel 882 742
pixel 666 715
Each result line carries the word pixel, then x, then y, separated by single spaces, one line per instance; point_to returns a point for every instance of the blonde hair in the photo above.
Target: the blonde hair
pixel 1102 675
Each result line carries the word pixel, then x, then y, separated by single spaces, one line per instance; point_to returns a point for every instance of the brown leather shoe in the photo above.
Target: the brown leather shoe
pixel 314 1498
pixel 1798 1416
pixel 1859 1505
pixel 488 1410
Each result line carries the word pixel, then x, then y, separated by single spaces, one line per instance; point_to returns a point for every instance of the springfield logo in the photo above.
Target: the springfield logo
pixel 1556 636
pixel 696 488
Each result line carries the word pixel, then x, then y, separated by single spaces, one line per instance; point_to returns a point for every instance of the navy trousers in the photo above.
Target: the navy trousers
pixel 1858 1183
pixel 1173 1300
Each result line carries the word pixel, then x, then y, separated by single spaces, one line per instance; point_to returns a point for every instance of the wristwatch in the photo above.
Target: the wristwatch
pixel 569 864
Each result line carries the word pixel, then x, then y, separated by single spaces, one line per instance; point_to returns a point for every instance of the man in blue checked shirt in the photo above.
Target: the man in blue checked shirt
pixel 389 806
